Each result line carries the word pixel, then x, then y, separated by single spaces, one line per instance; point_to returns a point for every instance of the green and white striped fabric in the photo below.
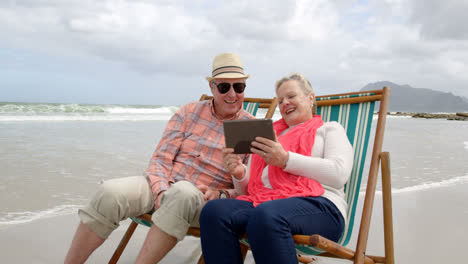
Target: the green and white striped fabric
pixel 357 121
pixel 249 107
pixel 141 221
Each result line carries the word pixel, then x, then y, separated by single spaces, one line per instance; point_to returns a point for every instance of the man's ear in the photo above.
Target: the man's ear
pixel 212 87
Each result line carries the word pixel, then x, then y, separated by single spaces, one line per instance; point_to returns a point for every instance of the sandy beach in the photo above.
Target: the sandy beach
pixel 430 227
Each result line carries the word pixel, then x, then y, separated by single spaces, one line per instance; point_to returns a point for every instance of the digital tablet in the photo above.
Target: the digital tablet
pixel 239 134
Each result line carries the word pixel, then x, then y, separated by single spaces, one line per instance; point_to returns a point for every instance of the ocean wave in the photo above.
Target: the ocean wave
pixel 13 218
pixel 399 117
pixel 36 108
pixel 376 116
pixel 48 109
pixel 129 110
pixel 428 185
pixel 60 118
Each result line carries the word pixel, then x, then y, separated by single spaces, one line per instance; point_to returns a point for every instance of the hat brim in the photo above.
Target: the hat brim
pixel 228 75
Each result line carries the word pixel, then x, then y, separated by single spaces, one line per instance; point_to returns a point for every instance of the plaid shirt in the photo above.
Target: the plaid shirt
pixel 190 149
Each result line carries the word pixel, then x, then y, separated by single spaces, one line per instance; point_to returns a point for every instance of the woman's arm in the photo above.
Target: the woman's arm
pixel 333 166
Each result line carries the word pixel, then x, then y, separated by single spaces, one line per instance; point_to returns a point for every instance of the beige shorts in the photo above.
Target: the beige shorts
pixel 118 199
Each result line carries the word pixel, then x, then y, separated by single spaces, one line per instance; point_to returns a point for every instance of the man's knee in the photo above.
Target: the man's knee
pixel 102 214
pixel 117 199
pixel 180 208
pixel 108 197
pixel 114 201
pixel 183 193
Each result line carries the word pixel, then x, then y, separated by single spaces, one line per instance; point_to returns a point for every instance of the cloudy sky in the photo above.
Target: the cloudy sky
pixel 159 52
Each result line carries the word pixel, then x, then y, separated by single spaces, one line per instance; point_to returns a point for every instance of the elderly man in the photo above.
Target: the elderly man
pixel 184 172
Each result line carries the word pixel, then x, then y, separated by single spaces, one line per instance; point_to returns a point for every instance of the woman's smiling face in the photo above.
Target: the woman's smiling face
pixel 294 104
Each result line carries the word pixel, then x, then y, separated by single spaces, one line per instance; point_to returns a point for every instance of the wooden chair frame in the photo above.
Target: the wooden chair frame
pixel 267 103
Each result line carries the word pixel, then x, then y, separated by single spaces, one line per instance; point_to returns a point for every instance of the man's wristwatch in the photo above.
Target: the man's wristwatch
pixel 222 194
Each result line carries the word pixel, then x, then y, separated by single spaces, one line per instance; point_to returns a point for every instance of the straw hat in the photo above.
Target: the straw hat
pixel 227 65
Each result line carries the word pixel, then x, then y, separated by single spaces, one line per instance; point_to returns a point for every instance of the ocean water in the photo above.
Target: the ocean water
pixel 82 112
pixel 53 156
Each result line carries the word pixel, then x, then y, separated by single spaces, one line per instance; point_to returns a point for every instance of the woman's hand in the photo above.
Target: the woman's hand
pixel 271 151
pixel 233 163
pixel 208 193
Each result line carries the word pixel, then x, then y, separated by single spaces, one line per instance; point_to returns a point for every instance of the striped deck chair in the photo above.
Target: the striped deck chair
pixel 251 105
pixel 354 111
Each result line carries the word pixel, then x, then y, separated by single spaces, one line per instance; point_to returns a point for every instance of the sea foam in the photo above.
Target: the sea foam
pixel 125 110
pixel 428 185
pixel 13 218
pixel 81 112
pixel 59 118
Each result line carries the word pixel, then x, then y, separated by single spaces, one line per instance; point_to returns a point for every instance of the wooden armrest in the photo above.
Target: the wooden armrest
pixel 193 231
pixel 333 248
pixel 146 217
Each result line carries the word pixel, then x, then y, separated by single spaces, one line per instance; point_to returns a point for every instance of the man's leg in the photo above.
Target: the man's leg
pixel 83 244
pixel 114 201
pixel 157 244
pixel 179 209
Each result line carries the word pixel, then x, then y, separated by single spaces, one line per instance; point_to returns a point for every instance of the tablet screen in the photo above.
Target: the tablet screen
pixel 239 134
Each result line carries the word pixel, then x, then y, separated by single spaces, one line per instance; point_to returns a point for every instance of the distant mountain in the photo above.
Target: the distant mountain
pixel 404 98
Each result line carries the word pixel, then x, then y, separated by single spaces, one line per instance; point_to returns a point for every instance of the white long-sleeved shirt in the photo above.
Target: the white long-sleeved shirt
pixel 330 163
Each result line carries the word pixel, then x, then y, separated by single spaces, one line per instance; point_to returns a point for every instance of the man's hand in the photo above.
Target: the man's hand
pixel 208 193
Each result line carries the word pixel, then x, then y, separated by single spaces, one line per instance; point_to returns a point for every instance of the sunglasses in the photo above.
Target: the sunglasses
pixel 225 87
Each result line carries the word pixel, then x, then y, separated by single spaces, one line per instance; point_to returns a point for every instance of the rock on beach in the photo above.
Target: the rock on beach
pixel 456 116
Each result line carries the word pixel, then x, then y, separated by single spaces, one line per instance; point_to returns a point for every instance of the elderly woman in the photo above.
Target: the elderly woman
pixel 293 185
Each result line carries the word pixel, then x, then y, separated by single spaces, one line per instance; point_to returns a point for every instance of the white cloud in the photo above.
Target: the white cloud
pixel 340 45
pixel 440 19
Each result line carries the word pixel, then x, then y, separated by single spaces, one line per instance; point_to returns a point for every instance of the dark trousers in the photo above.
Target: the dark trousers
pixel 269 227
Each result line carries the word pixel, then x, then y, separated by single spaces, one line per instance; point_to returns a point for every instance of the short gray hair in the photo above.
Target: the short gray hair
pixel 304 84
